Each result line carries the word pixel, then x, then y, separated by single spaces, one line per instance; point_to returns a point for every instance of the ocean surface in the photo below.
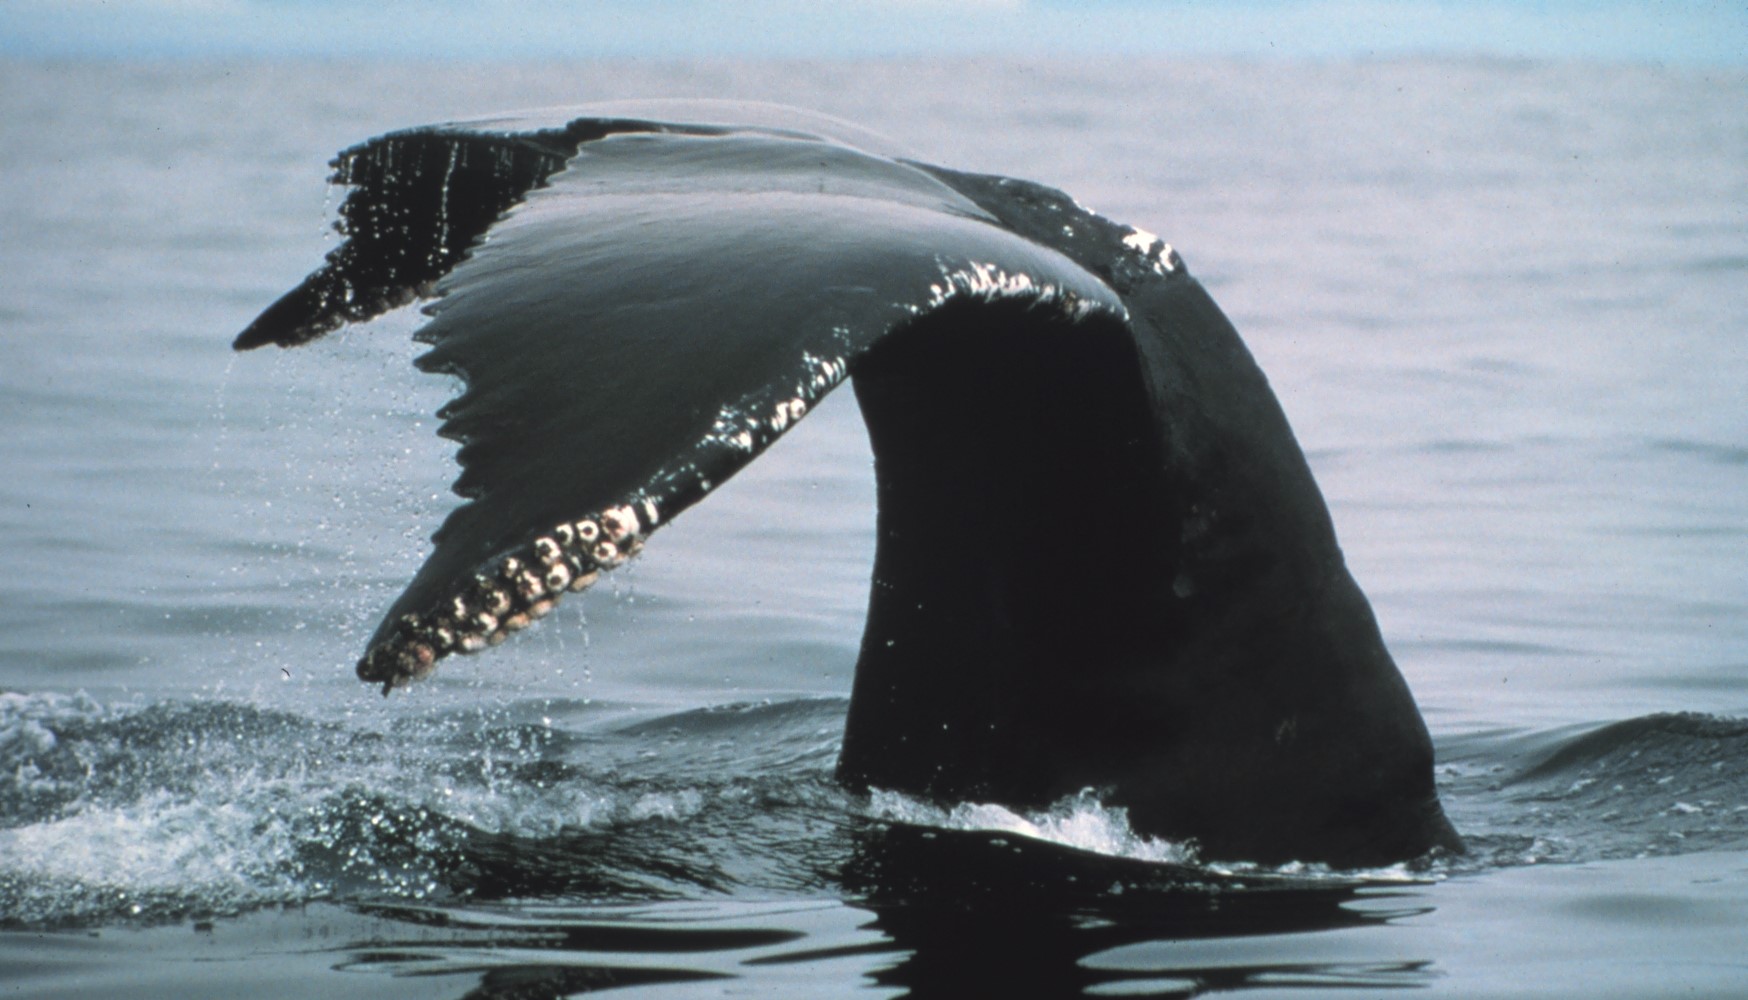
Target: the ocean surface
pixel 1505 305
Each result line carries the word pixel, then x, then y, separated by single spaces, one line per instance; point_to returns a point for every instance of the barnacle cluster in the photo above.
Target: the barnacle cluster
pixel 510 594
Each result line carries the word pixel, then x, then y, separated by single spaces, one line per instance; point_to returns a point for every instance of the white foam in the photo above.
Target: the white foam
pixel 160 842
pixel 1080 821
pixel 1084 823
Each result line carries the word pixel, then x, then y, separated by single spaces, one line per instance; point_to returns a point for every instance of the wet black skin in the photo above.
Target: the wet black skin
pixel 1102 560
pixel 1083 583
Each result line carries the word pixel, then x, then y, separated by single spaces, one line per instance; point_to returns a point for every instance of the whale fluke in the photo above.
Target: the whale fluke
pixel 1102 560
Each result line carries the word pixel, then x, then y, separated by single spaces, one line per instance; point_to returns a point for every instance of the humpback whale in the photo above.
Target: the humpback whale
pixel 1101 560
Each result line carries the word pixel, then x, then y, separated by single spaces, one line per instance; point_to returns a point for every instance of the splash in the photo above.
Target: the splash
pixel 154 812
pixel 1080 821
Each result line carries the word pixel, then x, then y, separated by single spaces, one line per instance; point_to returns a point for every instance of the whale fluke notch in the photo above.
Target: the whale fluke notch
pixel 1102 560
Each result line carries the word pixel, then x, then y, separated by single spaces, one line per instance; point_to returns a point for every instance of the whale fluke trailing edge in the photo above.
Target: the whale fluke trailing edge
pixel 1102 561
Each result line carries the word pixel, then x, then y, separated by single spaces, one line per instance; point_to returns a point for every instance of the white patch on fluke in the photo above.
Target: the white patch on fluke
pixel 985 281
pixel 991 282
pixel 1158 253
pixel 734 429
pixel 824 373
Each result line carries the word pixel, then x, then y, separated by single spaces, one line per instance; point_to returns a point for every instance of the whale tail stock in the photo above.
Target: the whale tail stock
pixel 1102 560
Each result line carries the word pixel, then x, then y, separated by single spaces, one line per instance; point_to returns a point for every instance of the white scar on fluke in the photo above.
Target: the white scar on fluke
pixel 1158 253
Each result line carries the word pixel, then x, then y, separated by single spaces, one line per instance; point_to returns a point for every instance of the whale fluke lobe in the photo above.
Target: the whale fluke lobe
pixel 1102 561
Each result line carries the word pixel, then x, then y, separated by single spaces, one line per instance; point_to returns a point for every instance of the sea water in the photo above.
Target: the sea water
pixel 1502 303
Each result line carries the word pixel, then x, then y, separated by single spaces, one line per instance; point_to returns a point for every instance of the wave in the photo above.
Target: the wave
pixel 1650 785
pixel 158 811
pixel 1708 451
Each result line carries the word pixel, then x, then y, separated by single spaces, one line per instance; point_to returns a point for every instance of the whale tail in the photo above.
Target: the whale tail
pixel 1102 560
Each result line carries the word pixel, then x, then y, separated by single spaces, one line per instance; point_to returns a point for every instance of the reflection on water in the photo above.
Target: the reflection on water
pixel 1682 915
pixel 973 914
pixel 961 916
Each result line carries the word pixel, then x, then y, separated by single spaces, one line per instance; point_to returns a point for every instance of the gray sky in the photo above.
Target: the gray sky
pixel 1678 32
